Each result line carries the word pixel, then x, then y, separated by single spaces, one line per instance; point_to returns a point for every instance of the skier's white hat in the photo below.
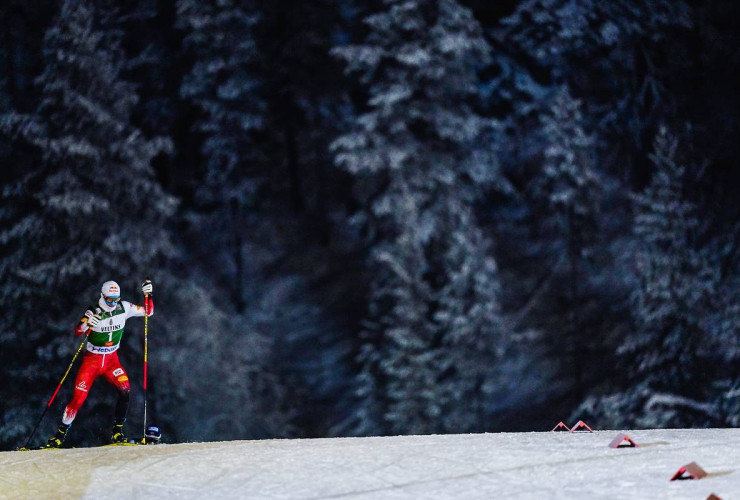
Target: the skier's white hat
pixel 111 289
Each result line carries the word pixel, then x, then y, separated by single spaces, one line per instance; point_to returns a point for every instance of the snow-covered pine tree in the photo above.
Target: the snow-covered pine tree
pixel 598 49
pixel 222 85
pixel 568 190
pixel 402 359
pixel 568 182
pixel 676 280
pixel 420 154
pixel 609 55
pixel 669 362
pixel 473 329
pixel 724 325
pixel 154 66
pixel 301 210
pixel 88 209
pixel 612 56
pixel 726 322
pixel 294 39
pixel 224 88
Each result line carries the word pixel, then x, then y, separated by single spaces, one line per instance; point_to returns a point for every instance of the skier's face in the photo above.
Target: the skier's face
pixel 111 301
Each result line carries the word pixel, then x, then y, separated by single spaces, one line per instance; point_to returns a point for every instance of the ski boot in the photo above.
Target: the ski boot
pixel 117 436
pixel 57 439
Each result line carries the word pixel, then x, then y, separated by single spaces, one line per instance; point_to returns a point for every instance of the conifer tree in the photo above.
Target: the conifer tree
pixel 568 190
pixel 421 154
pixel 221 83
pixel 669 361
pixel 223 87
pixel 87 208
pixel 676 281
pixel 597 48
pixel 472 326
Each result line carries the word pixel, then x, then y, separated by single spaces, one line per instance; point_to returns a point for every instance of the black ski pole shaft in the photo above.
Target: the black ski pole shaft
pixel 53 396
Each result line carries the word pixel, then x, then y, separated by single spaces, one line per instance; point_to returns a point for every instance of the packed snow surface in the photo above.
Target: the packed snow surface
pixel 537 465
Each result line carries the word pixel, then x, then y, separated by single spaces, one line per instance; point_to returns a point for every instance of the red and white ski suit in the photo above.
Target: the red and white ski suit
pixel 101 356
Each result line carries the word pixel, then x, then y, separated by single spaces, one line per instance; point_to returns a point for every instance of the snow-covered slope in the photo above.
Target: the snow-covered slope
pixel 542 465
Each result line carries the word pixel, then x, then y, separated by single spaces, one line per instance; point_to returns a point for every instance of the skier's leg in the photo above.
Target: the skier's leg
pixel 116 375
pixel 122 405
pixel 86 375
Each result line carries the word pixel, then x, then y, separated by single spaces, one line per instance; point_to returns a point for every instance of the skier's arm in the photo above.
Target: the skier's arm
pixel 134 310
pixel 81 327
pixel 89 320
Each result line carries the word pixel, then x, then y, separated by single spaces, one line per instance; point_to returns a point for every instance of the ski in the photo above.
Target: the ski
pixel 127 443
pixel 152 436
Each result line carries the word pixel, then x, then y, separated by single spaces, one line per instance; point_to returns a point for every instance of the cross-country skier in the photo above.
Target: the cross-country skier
pixel 105 321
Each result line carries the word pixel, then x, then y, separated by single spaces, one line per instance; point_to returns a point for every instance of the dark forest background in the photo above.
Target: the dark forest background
pixel 374 217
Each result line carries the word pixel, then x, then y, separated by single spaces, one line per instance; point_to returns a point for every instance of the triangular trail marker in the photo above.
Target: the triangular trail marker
pixel 689 471
pixel 623 441
pixel 560 427
pixel 581 427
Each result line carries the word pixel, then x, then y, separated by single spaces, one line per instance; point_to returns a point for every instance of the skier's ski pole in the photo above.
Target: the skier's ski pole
pixel 53 396
pixel 146 348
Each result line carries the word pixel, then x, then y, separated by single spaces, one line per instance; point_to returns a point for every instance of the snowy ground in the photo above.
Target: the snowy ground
pixel 540 465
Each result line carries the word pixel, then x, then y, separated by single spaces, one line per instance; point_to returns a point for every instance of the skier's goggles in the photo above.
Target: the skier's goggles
pixel 111 300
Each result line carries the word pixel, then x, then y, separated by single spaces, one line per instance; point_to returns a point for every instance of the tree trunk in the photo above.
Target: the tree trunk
pixel 9 62
pixel 296 199
pixel 579 348
pixel 236 218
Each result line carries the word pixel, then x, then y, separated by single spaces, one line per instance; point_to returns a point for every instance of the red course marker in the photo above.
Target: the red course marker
pixel 618 442
pixel 561 426
pixel 581 425
pixel 689 471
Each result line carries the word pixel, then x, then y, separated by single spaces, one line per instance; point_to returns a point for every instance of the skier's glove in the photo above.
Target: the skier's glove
pixel 92 319
pixel 146 287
